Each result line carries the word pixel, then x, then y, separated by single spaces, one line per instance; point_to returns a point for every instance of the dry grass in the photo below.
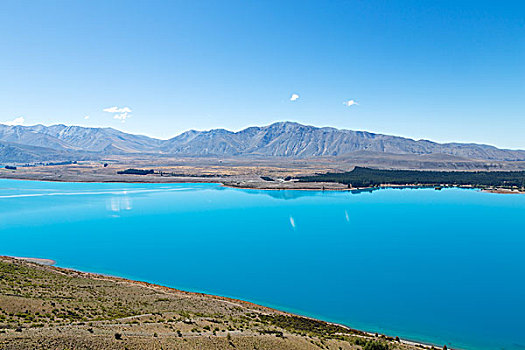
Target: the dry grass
pixel 44 307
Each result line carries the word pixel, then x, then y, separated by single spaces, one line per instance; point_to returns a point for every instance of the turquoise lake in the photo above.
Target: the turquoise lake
pixel 444 267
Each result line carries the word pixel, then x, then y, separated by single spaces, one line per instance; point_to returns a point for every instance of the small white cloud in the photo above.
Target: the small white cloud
pixel 120 113
pixel 117 110
pixel 86 117
pixel 122 116
pixel 350 103
pixel 294 97
pixel 16 121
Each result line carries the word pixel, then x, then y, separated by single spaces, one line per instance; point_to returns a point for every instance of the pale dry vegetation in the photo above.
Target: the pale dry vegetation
pixel 44 307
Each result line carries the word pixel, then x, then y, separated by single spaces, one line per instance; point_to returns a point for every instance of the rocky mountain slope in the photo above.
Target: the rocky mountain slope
pixel 278 140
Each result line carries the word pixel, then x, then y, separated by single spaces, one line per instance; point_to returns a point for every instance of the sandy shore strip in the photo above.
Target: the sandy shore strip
pixel 47 262
pixel 504 191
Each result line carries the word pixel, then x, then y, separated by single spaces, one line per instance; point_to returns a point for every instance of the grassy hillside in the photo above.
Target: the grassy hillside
pixel 44 307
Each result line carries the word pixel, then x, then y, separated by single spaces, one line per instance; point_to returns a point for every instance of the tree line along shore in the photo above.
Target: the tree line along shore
pixel 361 177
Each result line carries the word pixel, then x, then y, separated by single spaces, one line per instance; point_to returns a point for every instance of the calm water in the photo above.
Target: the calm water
pixel 437 266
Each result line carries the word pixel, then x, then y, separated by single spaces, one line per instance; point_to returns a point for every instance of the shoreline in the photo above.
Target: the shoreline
pixel 262 185
pixel 97 276
pixel 40 261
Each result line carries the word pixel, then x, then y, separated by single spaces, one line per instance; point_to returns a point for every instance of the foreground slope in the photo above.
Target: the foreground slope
pixel 43 307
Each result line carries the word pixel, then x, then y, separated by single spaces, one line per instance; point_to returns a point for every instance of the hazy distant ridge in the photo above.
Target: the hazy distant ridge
pixel 282 140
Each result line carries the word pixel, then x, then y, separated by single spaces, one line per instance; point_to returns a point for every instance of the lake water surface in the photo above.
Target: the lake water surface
pixel 435 266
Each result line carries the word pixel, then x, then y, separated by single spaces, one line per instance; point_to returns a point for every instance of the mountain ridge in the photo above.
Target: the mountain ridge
pixel 277 140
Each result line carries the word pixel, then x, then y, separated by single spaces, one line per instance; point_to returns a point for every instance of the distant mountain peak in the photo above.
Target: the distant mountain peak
pixel 284 139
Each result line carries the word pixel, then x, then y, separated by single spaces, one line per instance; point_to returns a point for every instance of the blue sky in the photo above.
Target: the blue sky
pixel 439 70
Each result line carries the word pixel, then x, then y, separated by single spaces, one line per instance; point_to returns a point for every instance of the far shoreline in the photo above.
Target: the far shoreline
pixel 261 185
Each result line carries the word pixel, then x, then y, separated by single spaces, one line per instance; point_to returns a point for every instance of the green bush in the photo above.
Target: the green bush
pixel 375 345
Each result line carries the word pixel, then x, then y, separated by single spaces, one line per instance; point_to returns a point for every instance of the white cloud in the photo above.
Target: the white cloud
pixel 86 117
pixel 119 113
pixel 16 121
pixel 117 110
pixel 350 103
pixel 122 116
pixel 294 97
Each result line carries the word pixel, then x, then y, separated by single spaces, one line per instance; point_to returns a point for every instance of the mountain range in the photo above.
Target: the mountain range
pixel 283 140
